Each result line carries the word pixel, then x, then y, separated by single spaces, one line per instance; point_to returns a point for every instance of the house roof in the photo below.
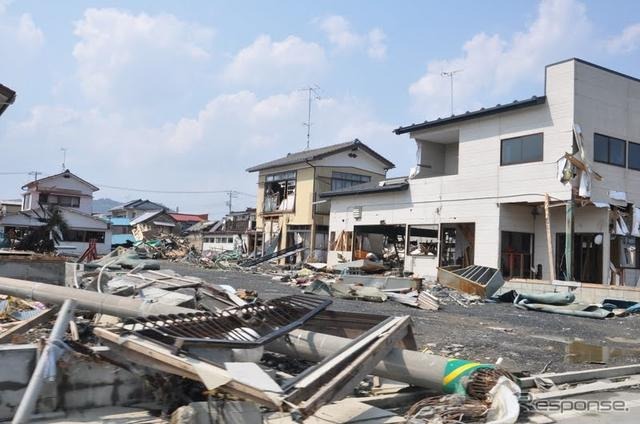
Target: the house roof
pixel 122 238
pixel 7 97
pixel 392 184
pixel 147 216
pixel 123 222
pixel 201 226
pixel 315 154
pixel 187 217
pixel 133 204
pixel 480 113
pixel 66 174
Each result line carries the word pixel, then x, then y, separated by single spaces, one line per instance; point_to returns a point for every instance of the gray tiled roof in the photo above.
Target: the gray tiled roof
pixel 319 153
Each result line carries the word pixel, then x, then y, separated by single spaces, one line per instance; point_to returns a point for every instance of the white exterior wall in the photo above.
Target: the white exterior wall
pixel 474 194
pixel 84 192
pixel 609 104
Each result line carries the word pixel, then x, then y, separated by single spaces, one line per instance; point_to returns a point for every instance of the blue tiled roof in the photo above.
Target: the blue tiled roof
pixel 120 221
pixel 122 238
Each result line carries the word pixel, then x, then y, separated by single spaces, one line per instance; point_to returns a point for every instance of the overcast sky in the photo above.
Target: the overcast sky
pixel 184 96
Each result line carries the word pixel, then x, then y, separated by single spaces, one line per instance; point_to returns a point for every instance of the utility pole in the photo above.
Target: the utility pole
pixel 232 194
pixel 64 158
pixel 312 95
pixel 450 74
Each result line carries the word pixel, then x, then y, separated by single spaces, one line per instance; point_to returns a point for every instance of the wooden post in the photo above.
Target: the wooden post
pixel 547 221
pixel 568 240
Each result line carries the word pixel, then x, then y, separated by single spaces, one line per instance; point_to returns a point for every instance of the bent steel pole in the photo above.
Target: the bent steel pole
pixel 444 375
pixel 86 300
pixel 30 397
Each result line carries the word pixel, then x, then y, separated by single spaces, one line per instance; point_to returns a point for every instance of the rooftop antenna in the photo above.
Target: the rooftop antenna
pixel 313 95
pixel 450 74
pixel 64 158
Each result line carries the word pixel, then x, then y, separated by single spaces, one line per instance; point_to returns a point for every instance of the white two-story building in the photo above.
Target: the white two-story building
pixel 73 196
pixel 477 193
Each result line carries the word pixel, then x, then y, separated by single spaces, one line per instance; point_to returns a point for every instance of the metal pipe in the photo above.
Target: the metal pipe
pixel 30 397
pixel 86 300
pixel 444 375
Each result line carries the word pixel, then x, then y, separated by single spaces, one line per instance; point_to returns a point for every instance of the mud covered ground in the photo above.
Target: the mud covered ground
pixel 526 340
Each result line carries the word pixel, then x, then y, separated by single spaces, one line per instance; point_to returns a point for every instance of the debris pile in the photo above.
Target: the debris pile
pixel 194 341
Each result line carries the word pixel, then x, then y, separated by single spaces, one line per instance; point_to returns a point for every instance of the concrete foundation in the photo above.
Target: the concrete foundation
pixel 33 268
pixel 79 384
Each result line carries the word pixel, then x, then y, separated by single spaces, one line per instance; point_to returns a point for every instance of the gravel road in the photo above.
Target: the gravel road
pixel 526 340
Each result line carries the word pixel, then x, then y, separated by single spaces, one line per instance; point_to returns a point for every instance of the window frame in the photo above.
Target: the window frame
pixel 608 161
pixel 349 177
pixel 502 141
pixel 629 143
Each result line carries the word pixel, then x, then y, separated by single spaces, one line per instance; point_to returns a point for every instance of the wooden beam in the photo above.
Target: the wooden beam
pixel 547 222
pixel 28 324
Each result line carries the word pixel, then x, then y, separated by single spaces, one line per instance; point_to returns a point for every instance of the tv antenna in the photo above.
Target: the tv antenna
pixel 64 158
pixel 313 93
pixel 450 74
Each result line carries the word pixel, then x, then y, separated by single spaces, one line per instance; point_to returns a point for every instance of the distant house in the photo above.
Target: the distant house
pixel 73 196
pixel 236 231
pixel 195 233
pixel 154 224
pixel 135 208
pixel 289 209
pixel 10 206
pixel 121 232
pixel 187 220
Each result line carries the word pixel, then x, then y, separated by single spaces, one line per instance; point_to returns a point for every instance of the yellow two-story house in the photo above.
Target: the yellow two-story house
pixel 289 209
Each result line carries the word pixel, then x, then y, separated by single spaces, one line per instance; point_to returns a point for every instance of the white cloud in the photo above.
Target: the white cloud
pixel 18 32
pixel 132 58
pixel 627 41
pixel 492 66
pixel 207 151
pixel 339 32
pixel 377 46
pixel 292 61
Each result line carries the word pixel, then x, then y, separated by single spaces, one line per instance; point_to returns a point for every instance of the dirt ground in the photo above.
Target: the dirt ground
pixel 526 340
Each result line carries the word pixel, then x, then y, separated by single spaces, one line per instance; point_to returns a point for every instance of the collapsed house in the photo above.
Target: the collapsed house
pixel 153 225
pixel 236 231
pixel 290 212
pixel 72 196
pixel 477 193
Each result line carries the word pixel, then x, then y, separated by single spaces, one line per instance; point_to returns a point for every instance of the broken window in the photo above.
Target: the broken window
pixel 341 180
pixel 280 192
pixel 84 236
pixel 527 148
pixel 423 240
pixel 517 255
pixel 609 150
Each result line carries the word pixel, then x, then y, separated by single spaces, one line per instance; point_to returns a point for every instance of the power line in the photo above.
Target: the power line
pixel 141 190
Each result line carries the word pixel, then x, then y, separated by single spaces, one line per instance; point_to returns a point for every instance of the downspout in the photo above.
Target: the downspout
pixel 312 242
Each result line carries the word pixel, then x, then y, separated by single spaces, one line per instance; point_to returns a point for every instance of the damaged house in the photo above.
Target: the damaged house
pixel 154 224
pixel 289 210
pixel 73 197
pixel 477 193
pixel 236 231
